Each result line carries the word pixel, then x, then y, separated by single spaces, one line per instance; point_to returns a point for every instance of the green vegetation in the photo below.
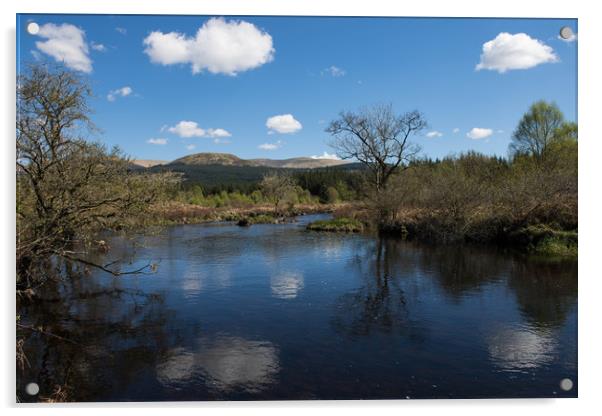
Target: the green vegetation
pixel 340 224
pixel 469 197
pixel 542 239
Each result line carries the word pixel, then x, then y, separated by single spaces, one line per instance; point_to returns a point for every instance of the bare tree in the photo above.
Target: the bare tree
pixel 67 187
pixel 378 138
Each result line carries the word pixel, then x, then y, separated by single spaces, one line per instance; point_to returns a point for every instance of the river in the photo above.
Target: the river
pixel 277 312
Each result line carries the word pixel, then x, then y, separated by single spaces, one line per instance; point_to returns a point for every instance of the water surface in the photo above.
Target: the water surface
pixel 278 312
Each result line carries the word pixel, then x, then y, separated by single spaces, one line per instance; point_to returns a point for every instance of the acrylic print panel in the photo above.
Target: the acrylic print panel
pixel 274 208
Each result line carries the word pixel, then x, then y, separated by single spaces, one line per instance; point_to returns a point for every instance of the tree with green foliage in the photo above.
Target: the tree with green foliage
pixel 540 126
pixel 278 188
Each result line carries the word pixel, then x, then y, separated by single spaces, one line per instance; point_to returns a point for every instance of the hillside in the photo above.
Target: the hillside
pixel 145 163
pixel 298 163
pixel 218 171
pixel 227 159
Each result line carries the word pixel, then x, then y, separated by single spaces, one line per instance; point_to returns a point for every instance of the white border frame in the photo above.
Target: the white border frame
pixel 590 151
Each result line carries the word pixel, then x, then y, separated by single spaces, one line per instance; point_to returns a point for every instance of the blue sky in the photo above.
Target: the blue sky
pixel 151 73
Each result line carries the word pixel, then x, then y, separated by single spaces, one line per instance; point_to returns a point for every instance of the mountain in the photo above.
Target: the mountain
pixel 299 163
pixel 227 159
pixel 224 171
pixel 144 163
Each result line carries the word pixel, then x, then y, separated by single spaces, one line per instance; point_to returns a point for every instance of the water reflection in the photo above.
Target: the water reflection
pixel 380 303
pixel 103 333
pixel 286 285
pixel 378 318
pixel 224 363
pixel 521 348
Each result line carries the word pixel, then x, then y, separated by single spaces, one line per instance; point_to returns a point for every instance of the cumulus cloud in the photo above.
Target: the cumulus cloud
pixel 119 92
pixel 326 155
pixel 187 129
pixel 334 71
pixel 121 30
pixel 519 51
pixel 159 141
pixel 456 130
pixel 477 133
pixel 190 147
pixel 270 146
pixel 434 133
pixel 219 46
pixel 98 47
pixel 218 133
pixel 284 123
pixel 65 43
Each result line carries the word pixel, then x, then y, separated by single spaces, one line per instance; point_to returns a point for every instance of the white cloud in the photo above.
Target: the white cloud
pixel 434 133
pixel 121 30
pixel 188 129
pixel 326 155
pixel 219 46
pixel 333 71
pixel 479 133
pixel 270 146
pixel 500 131
pixel 65 43
pixel 119 92
pixel 519 51
pixel 456 130
pixel 570 39
pixel 159 141
pixel 218 133
pixel 190 147
pixel 98 47
pixel 284 123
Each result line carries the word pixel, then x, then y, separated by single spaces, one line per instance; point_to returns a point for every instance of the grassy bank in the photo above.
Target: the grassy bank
pixel 171 213
pixel 340 224
pixel 538 238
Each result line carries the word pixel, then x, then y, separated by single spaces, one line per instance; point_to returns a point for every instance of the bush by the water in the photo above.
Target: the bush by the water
pixel 349 225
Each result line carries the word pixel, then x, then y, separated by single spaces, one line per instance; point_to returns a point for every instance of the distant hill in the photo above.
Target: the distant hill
pixel 143 163
pixel 227 159
pixel 298 163
pixel 217 171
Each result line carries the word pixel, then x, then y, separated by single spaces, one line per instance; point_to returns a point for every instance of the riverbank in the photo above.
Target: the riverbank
pixel 173 213
pixel 422 225
pixel 427 226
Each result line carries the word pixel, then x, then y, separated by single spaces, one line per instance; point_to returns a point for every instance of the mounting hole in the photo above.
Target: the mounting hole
pixel 566 32
pixel 33 28
pixel 32 389
pixel 566 384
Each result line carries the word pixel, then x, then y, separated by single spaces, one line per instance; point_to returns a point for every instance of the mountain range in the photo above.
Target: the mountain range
pixel 227 159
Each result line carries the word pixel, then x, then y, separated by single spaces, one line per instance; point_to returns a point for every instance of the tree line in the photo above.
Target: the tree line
pixel 471 196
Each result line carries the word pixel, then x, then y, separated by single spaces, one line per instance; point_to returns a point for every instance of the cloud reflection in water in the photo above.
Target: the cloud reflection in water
pixel 224 363
pixel 522 348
